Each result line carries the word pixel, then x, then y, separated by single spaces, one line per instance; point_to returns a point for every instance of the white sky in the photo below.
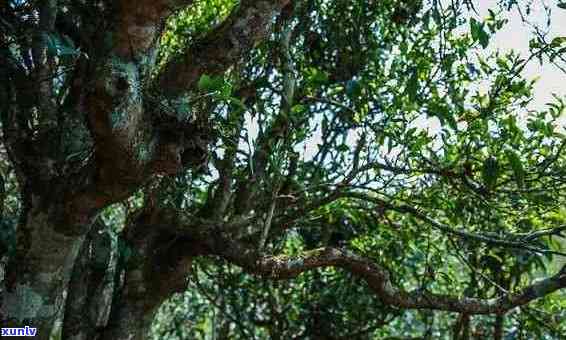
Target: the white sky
pixel 516 35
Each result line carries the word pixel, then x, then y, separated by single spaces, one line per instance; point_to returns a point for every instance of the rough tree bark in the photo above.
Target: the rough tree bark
pixel 111 117
pixel 92 285
pixel 157 266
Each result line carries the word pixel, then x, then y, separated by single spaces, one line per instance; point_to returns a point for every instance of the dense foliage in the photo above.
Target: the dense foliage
pixel 366 84
pixel 391 130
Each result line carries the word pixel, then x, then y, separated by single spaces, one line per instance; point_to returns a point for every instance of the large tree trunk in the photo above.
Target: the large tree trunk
pixel 91 289
pixel 39 273
pixel 133 313
pixel 100 137
pixel 157 265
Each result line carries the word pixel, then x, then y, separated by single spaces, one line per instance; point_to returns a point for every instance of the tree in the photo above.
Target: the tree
pixel 281 137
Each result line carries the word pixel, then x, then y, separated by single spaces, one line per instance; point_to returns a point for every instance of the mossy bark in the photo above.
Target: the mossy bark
pixel 157 266
pixel 38 275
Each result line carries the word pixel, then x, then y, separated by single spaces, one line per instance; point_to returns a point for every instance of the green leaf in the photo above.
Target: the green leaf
pixel 517 166
pixel 557 41
pixel 443 114
pixel 316 77
pixel 353 88
pixel 298 109
pixel 240 105
pixel 478 32
pixel 51 41
pixel 204 82
pixel 412 87
pixel 541 198
pixel 210 84
pixel 490 172
pixel 59 45
pixel 562 5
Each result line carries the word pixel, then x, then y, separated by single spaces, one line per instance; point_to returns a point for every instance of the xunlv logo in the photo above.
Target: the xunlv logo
pixel 19 331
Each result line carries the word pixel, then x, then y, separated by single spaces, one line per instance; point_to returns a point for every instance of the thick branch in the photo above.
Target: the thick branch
pixel 244 28
pixel 376 276
pixel 44 63
pixel 14 116
pixel 159 267
pixel 91 286
pixel 379 280
pixel 132 140
pixel 139 24
pixel 2 196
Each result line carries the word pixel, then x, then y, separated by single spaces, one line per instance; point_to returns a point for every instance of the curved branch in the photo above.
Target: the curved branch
pixel 377 277
pixel 379 280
